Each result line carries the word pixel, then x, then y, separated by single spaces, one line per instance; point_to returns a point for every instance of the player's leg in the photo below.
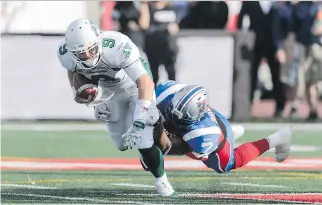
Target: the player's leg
pixel 118 106
pixel 229 158
pixel 154 66
pixel 170 64
pixel 280 140
pixel 152 156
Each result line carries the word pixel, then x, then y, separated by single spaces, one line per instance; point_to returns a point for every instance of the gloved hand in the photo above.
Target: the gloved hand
pixel 133 135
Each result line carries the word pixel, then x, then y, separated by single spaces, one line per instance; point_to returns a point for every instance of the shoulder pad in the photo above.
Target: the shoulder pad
pixel 167 88
pixel 64 58
pixel 115 44
pixel 203 140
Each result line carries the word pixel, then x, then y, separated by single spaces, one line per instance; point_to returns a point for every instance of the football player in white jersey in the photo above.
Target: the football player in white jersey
pixel 114 61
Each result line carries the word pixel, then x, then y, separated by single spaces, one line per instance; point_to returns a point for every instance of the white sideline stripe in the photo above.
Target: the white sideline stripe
pixel 100 127
pixel 301 148
pixel 133 185
pixel 228 194
pixel 254 185
pixel 73 198
pixel 296 148
pixel 62 165
pixel 276 126
pixel 27 186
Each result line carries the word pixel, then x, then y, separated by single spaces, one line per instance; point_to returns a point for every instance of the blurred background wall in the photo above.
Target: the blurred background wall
pixel 240 51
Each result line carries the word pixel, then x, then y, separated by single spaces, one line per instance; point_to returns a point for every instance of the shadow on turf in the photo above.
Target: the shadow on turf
pixel 107 196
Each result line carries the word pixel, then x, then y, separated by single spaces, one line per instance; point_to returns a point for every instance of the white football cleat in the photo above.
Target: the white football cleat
pixel 238 131
pixel 283 148
pixel 163 186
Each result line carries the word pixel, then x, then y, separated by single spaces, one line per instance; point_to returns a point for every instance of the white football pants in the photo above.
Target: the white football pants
pixel 122 106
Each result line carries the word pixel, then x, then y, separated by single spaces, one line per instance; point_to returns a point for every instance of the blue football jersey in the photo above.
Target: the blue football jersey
pixel 202 136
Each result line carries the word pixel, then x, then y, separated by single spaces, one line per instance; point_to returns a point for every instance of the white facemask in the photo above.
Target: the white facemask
pixel 92 62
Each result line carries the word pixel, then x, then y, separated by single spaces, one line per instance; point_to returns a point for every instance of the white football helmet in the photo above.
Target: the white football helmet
pixel 83 41
pixel 190 104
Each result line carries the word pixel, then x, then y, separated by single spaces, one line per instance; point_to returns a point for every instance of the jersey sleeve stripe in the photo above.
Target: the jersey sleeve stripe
pixel 169 91
pixel 200 132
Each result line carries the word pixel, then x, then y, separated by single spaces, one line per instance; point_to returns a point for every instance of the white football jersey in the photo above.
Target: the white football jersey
pixel 120 63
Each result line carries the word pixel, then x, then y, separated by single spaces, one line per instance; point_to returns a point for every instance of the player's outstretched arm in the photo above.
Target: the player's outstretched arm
pixel 173 145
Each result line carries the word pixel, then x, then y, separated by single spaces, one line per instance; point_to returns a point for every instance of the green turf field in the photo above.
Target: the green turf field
pixel 136 187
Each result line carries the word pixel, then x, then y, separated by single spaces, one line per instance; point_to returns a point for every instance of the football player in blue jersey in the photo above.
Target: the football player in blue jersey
pixel 191 127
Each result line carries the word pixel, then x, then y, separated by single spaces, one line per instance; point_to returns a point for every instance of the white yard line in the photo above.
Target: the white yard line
pixel 26 186
pixel 100 127
pixel 133 185
pixel 64 165
pixel 254 185
pixel 73 198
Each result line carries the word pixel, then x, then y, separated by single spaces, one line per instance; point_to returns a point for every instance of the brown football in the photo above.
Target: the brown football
pixel 82 86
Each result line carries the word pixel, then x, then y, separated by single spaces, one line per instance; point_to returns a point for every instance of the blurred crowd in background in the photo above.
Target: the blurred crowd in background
pixel 288 42
pixel 286 60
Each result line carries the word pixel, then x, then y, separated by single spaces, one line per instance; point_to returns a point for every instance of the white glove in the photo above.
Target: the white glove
pixel 101 112
pixel 133 135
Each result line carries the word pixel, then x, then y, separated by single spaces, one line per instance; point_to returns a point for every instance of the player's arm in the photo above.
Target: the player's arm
pixel 178 146
pixel 173 145
pixel 203 141
pixel 83 88
pixel 138 70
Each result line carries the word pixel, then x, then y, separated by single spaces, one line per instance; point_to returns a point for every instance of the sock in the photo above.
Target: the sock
pixel 153 159
pixel 273 140
pixel 163 178
pixel 249 151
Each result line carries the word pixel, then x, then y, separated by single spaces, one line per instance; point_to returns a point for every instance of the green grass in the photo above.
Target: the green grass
pixel 95 187
pixel 109 186
pixel 97 144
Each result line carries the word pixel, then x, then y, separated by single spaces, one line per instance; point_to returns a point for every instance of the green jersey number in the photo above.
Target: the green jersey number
pixel 63 50
pixel 108 42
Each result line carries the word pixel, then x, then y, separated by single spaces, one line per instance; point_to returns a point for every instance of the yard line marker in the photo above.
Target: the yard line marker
pixel 27 186
pixel 137 194
pixel 133 185
pixel 73 198
pixel 254 185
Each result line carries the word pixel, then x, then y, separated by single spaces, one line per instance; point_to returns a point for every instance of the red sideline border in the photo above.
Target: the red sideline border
pixel 8 163
pixel 277 197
